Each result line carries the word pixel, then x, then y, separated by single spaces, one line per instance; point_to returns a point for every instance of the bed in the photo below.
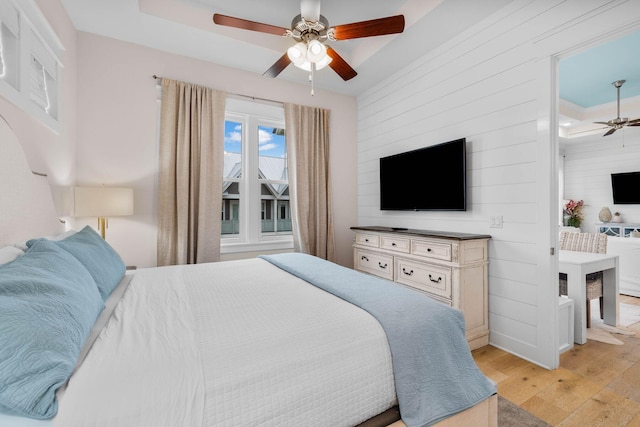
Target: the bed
pixel 282 340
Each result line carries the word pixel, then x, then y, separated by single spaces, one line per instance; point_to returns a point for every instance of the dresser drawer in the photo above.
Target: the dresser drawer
pixel 430 249
pixel 445 301
pixel 427 277
pixel 397 244
pixel 374 263
pixel 365 239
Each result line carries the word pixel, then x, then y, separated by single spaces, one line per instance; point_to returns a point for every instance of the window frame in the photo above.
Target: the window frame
pixel 36 39
pixel 252 115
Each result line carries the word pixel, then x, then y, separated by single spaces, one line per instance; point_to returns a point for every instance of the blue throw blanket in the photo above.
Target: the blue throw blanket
pixel 435 374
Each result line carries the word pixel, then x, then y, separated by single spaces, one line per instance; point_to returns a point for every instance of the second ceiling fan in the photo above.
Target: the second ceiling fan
pixel 618 122
pixel 311 31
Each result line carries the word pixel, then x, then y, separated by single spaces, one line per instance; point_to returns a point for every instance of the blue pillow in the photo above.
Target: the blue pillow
pixel 104 264
pixel 48 304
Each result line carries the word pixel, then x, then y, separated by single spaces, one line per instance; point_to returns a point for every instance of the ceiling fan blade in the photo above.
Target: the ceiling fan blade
pixel 634 122
pixel 244 24
pixel 310 10
pixel 340 66
pixel 609 132
pixel 374 27
pixel 602 123
pixel 278 67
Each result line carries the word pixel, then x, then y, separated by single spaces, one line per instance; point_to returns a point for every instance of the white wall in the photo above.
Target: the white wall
pixel 117 132
pixel 493 85
pixel 588 165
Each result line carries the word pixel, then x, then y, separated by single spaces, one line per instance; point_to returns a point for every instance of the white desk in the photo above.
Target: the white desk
pixel 577 265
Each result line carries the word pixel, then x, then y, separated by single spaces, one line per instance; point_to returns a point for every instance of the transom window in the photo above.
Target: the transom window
pixel 29 60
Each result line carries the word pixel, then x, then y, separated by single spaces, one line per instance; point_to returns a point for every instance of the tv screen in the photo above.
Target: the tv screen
pixel 430 178
pixel 626 188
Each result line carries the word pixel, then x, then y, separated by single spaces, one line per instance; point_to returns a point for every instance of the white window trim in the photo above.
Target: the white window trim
pixel 32 22
pixel 232 248
pixel 250 237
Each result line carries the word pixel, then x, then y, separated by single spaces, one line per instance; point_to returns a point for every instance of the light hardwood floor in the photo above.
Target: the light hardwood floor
pixel 597 384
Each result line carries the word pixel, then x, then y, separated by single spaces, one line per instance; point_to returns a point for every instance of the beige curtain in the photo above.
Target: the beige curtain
pixel 190 176
pixel 309 180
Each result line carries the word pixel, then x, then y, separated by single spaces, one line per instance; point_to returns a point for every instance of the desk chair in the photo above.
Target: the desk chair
pixel 585 242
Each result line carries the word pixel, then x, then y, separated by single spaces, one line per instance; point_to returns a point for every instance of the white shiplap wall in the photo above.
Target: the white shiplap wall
pixel 493 85
pixel 588 165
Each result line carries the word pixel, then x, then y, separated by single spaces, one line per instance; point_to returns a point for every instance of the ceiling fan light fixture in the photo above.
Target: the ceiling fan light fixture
pixel 324 62
pixel 302 55
pixel 316 51
pixel 297 53
pixel 306 65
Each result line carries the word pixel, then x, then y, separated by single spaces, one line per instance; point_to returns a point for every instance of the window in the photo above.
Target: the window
pixel 255 193
pixel 9 36
pixel 29 60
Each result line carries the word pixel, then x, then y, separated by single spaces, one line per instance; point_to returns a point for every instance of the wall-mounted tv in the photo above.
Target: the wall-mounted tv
pixel 626 188
pixel 427 179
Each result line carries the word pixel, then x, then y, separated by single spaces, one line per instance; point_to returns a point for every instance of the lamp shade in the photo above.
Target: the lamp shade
pixel 103 201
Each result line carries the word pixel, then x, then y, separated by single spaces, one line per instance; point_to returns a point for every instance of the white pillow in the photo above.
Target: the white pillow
pixel 54 237
pixel 61 236
pixel 21 245
pixel 9 253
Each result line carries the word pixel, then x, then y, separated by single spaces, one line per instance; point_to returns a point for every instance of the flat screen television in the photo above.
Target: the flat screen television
pixel 626 188
pixel 427 179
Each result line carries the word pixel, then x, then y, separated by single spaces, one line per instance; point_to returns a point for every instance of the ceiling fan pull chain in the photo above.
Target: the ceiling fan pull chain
pixel 313 67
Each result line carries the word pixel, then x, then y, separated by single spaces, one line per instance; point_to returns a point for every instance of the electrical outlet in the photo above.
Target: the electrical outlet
pixel 495 221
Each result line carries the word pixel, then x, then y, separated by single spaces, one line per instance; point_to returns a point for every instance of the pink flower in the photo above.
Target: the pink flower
pixel 573 208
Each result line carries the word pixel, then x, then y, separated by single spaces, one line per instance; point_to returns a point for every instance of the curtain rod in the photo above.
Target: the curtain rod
pixel 239 95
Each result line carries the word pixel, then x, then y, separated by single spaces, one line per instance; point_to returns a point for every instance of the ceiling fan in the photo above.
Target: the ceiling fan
pixel 311 31
pixel 619 123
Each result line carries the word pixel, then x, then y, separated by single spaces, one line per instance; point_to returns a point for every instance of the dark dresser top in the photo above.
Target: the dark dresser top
pixel 423 233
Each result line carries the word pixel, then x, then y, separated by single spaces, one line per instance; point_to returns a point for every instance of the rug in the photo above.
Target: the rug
pixel 511 415
pixel 599 331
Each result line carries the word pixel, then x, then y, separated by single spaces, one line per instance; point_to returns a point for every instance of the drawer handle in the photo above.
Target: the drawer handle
pixel 408 273
pixel 428 249
pixel 364 258
pixel 393 244
pixel 435 281
pixel 382 266
pixel 366 240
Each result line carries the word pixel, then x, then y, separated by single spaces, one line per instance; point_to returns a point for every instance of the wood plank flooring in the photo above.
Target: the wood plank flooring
pixel 597 384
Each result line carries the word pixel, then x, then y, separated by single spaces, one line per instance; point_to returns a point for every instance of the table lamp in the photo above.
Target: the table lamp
pixel 103 202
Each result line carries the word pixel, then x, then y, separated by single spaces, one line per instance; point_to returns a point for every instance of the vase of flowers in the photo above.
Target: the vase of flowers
pixel 573 210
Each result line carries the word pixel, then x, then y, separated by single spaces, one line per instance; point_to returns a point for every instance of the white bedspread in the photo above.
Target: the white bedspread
pixel 239 343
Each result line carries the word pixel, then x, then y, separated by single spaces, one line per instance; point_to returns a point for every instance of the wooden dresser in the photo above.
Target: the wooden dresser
pixel 449 267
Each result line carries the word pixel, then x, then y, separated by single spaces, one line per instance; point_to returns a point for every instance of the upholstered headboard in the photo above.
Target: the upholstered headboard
pixel 26 205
